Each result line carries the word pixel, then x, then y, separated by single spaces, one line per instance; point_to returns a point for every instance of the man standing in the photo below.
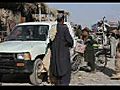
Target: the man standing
pixel 114 39
pixel 60 66
pixel 115 52
pixel 117 63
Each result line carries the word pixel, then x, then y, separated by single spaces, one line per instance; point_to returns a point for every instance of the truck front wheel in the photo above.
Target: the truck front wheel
pixel 37 76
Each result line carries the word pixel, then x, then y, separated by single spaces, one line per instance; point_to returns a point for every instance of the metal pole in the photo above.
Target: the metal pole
pixel 103 22
pixel 103 31
pixel 48 14
pixel 39 12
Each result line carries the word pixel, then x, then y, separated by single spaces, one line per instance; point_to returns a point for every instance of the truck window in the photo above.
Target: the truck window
pixel 29 32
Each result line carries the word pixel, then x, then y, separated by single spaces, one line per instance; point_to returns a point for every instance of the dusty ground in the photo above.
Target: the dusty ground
pixel 81 78
pixel 98 78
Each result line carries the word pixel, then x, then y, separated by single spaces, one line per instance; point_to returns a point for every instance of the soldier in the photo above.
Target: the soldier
pixel 89 50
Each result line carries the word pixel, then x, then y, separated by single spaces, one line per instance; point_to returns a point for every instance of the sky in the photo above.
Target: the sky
pixel 87 14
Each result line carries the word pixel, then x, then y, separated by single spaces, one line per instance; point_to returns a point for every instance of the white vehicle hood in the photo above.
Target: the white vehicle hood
pixel 34 47
pixel 18 46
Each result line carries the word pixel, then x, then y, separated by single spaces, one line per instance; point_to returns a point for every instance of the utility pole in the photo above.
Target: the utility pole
pixel 103 23
pixel 103 30
pixel 39 6
pixel 48 14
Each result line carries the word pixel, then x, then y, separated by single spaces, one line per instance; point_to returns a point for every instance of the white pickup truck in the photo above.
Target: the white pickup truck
pixel 23 50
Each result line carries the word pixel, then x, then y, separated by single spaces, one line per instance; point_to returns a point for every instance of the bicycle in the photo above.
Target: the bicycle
pixel 77 58
pixel 101 57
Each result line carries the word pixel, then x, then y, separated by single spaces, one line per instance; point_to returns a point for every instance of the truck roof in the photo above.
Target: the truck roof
pixel 36 23
pixel 40 23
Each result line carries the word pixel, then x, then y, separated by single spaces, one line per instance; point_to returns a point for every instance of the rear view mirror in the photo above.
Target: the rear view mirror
pixel 76 38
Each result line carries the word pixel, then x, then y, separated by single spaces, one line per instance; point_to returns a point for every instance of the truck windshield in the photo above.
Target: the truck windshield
pixel 29 32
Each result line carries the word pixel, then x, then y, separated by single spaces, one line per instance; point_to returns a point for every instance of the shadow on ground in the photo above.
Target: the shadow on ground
pixel 19 78
pixel 15 78
pixel 107 71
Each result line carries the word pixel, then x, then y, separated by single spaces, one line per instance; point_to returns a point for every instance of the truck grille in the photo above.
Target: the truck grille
pixel 7 60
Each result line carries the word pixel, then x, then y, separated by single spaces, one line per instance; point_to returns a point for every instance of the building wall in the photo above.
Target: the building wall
pixel 8 21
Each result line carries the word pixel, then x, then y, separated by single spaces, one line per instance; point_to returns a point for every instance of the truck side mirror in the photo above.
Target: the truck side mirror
pixel 76 38
pixel 47 40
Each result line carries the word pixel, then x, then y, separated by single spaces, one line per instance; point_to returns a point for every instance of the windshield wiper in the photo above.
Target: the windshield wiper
pixel 14 39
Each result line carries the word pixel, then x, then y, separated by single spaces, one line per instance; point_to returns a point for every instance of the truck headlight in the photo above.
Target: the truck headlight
pixel 20 56
pixel 24 56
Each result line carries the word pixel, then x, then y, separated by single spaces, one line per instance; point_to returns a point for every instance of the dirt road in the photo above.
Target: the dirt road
pixel 81 78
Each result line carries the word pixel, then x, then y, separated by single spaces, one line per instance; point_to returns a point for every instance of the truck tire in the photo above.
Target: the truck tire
pixel 36 77
pixel 77 62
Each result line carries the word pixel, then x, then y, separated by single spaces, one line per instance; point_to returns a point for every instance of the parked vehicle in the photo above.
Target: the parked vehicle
pixel 23 50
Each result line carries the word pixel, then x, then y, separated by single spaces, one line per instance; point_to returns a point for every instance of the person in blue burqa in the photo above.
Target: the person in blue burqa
pixel 60 44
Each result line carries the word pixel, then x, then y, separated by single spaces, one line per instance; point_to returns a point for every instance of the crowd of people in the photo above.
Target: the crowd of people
pixel 60 56
pixel 113 39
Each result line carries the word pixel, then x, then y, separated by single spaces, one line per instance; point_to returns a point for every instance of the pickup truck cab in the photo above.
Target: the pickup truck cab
pixel 23 50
